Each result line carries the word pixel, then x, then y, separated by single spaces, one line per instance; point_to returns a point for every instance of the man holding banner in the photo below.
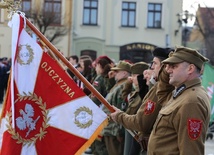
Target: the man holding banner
pixel 182 122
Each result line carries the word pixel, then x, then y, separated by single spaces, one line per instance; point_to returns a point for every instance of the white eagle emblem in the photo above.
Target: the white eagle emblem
pixel 194 128
pixel 26 120
pixel 149 106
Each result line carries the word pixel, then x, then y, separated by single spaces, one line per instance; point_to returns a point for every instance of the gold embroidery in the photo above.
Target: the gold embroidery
pixel 59 81
pixel 81 119
pixel 25 55
pixel 42 132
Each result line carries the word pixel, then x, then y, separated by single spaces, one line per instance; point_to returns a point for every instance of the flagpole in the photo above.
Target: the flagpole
pixel 69 65
pixel 12 6
pixel 75 71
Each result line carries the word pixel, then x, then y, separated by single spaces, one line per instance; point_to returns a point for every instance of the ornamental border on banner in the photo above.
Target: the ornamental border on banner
pixel 42 106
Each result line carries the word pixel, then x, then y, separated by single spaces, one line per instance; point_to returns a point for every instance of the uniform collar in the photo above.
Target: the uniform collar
pixel 121 80
pixel 186 85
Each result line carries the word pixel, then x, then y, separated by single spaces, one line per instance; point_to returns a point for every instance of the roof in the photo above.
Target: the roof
pixel 206 18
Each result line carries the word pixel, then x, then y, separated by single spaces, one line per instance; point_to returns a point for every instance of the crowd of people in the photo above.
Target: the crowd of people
pixel 5 65
pixel 162 102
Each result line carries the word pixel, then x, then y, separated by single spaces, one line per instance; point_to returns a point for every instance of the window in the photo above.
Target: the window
pixel 26 7
pixel 52 10
pixel 90 12
pixel 154 15
pixel 91 53
pixel 128 14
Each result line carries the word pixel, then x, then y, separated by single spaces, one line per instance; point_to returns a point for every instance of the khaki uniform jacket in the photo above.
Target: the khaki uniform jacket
pixel 144 119
pixel 181 126
pixel 114 97
pixel 146 115
pixel 134 103
pixel 127 90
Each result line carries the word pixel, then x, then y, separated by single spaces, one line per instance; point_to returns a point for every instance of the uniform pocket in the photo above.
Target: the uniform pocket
pixel 163 123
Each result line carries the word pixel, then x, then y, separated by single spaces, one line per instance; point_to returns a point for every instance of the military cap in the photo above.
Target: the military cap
pixel 162 53
pixel 139 67
pixel 122 66
pixel 189 55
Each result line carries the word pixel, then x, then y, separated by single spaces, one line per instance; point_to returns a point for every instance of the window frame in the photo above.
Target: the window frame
pixel 26 11
pixel 154 13
pixel 127 12
pixel 51 5
pixel 90 10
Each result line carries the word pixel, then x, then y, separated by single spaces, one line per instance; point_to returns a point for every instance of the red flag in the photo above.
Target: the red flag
pixel 51 114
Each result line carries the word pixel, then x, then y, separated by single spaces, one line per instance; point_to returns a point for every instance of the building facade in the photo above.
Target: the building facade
pixel 51 17
pixel 121 29
pixel 124 29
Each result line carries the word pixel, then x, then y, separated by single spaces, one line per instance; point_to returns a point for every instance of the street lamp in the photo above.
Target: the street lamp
pixel 183 21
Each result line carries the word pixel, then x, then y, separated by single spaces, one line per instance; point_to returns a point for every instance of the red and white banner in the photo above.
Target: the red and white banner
pixel 51 115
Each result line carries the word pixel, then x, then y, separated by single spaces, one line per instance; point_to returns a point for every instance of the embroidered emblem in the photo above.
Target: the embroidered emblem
pixel 194 128
pixel 25 120
pixel 25 55
pixel 83 117
pixel 150 107
pixel 96 83
pixel 31 125
pixel 178 91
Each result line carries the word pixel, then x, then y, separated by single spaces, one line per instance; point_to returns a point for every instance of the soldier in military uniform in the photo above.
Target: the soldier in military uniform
pixel 114 133
pixel 146 115
pixel 102 68
pixel 132 147
pixel 182 123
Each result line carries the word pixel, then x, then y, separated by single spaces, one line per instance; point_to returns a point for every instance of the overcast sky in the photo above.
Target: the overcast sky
pixel 192 6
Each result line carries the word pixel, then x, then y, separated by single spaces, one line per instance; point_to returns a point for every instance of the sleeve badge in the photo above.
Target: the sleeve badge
pixel 194 128
pixel 96 83
pixel 150 107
